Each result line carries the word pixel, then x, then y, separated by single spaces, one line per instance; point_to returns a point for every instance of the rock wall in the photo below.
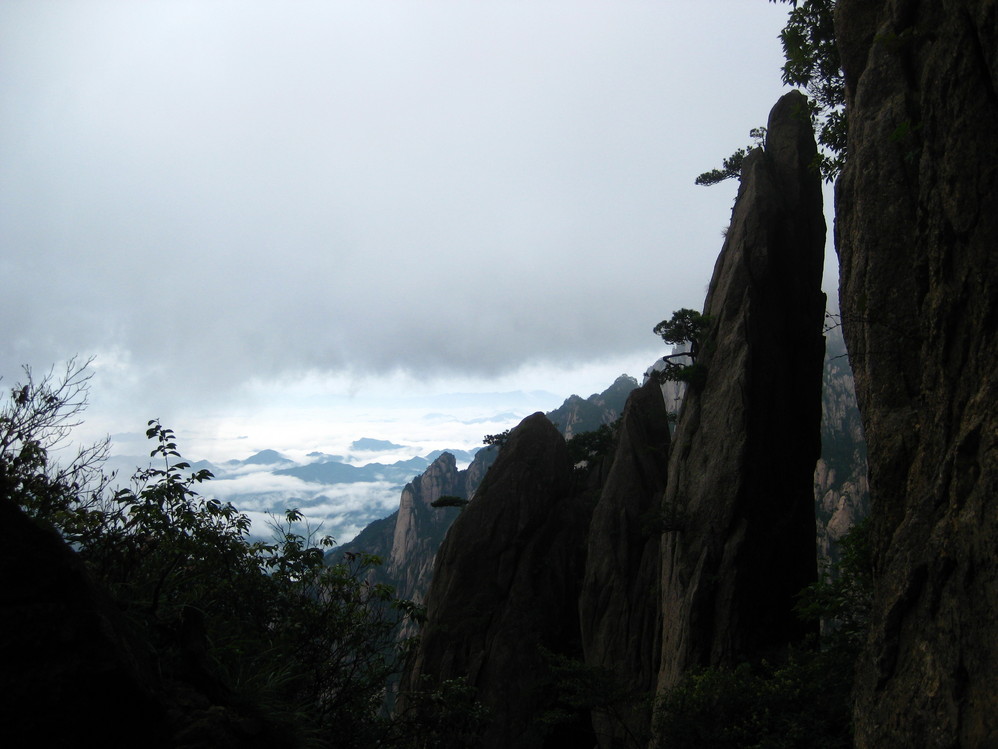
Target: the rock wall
pixel 419 528
pixel 841 486
pixel 620 617
pixel 917 221
pixel 578 415
pixel 739 540
pixel 506 585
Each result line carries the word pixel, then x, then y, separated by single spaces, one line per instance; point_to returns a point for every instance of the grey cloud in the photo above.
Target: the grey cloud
pixel 221 191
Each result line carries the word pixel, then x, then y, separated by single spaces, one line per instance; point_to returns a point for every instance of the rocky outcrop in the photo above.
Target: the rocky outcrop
pixel 841 488
pixel 738 510
pixel 419 528
pixel 506 585
pixel 408 539
pixel 620 617
pixel 577 415
pixel 917 221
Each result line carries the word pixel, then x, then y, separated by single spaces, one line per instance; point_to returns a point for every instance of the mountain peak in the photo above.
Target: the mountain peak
pixel 368 444
pixel 266 457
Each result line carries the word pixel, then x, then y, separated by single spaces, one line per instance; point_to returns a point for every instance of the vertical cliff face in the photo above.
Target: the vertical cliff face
pixel 408 539
pixel 506 584
pixel 740 534
pixel 620 617
pixel 419 528
pixel 841 487
pixel 917 221
pixel 578 415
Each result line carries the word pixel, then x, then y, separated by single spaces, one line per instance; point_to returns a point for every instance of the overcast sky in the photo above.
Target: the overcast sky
pixel 264 217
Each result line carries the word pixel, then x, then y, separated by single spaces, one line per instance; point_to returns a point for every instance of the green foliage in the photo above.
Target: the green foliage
pixel 448 716
pixel 574 690
pixel 686 326
pixel 497 440
pixel 447 500
pixel 35 422
pixel 731 167
pixel 589 447
pixel 813 63
pixel 791 705
pixel 804 699
pixel 842 597
pixel 667 518
pixel 310 646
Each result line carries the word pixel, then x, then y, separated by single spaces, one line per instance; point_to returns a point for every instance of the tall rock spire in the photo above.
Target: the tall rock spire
pixel 741 540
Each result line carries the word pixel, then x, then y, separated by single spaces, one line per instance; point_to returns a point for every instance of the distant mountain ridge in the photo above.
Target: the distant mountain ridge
pixel 408 539
pixel 369 444
pixel 264 457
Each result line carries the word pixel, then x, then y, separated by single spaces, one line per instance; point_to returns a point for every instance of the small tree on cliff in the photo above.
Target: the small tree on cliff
pixel 686 326
pixel 732 166
pixel 497 441
pixel 813 63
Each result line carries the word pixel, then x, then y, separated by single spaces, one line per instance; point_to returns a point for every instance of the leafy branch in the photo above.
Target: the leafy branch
pixel 731 167
pixel 686 326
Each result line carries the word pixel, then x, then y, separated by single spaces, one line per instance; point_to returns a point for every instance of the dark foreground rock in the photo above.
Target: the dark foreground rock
pixel 505 588
pixel 620 616
pixel 70 667
pixel 917 222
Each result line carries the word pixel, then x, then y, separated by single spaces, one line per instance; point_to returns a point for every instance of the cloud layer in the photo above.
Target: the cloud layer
pixel 217 197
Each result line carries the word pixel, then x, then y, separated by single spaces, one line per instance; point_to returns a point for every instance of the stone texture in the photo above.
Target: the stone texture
pixel 739 511
pixel 506 585
pixel 408 539
pixel 620 617
pixel 578 415
pixel 419 528
pixel 917 221
pixel 841 487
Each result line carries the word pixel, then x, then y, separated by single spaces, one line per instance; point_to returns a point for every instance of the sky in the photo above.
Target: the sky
pixel 291 225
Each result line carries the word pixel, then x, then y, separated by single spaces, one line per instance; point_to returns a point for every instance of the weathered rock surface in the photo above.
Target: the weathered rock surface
pixel 620 617
pixel 577 415
pixel 506 585
pixel 740 531
pixel 409 538
pixel 917 221
pixel 419 528
pixel 841 487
